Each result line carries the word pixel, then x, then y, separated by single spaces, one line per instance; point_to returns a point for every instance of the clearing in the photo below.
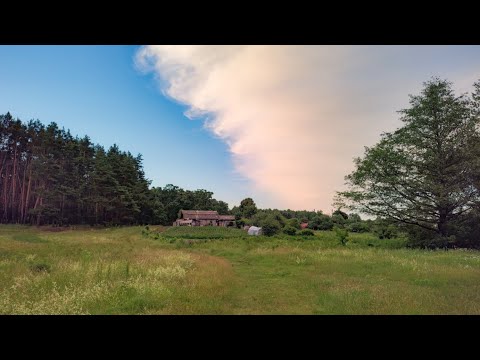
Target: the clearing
pixel 209 270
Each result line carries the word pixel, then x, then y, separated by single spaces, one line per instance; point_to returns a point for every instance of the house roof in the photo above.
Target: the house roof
pixel 204 215
pixel 226 217
pixel 199 214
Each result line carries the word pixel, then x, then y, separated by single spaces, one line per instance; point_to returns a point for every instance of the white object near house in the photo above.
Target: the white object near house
pixel 253 230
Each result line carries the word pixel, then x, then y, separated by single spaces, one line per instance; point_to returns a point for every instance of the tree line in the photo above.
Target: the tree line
pixel 167 202
pixel 274 221
pixel 48 176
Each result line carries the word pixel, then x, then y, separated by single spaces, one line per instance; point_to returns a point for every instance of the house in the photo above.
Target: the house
pixel 203 218
pixel 304 225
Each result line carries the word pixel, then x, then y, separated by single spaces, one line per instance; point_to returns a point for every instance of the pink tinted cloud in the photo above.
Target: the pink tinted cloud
pixel 293 116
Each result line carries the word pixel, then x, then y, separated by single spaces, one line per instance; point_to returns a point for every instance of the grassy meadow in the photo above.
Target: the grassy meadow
pixel 224 271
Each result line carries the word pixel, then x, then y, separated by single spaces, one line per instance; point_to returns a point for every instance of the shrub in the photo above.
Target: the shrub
pixel 322 222
pixel 385 231
pixel 338 220
pixel 268 222
pixel 246 221
pixel 306 232
pixel 240 223
pixel 427 239
pixel 463 232
pixel 358 227
pixel 294 222
pixel 466 230
pixel 289 230
pixel 277 215
pixel 342 235
pixel 146 231
pixel 270 227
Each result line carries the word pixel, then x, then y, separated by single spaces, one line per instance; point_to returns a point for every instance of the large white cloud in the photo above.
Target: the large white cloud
pixel 292 116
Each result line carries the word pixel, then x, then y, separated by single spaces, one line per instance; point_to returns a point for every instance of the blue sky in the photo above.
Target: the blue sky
pixel 97 91
pixel 284 122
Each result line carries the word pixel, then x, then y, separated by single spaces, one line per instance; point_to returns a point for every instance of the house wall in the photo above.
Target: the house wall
pixel 209 223
pixel 181 223
pixel 204 222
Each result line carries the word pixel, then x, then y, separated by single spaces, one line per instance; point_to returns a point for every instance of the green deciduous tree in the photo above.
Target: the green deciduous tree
pixel 247 208
pixel 423 174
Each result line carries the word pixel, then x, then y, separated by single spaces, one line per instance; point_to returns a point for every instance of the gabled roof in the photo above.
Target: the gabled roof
pixel 204 215
pixel 226 217
pixel 199 214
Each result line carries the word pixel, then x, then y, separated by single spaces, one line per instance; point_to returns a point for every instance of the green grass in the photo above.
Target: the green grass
pixel 30 238
pixel 187 270
pixel 207 232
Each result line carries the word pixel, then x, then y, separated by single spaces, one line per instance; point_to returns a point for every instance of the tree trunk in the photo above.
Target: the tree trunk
pixel 442 223
pixel 14 183
pixel 5 198
pixel 21 207
pixel 35 207
pixel 27 198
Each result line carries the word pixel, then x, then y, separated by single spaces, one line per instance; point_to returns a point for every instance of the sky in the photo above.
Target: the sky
pixel 280 124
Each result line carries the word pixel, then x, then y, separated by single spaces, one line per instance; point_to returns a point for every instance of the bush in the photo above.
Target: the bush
pixel 385 231
pixel 294 222
pixel 342 235
pixel 322 222
pixel 427 239
pixel 306 232
pixel 146 231
pixel 422 238
pixel 358 227
pixel 338 220
pixel 289 230
pixel 280 218
pixel 268 222
pixel 467 230
pixel 240 223
pixel 270 227
pixel 463 232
